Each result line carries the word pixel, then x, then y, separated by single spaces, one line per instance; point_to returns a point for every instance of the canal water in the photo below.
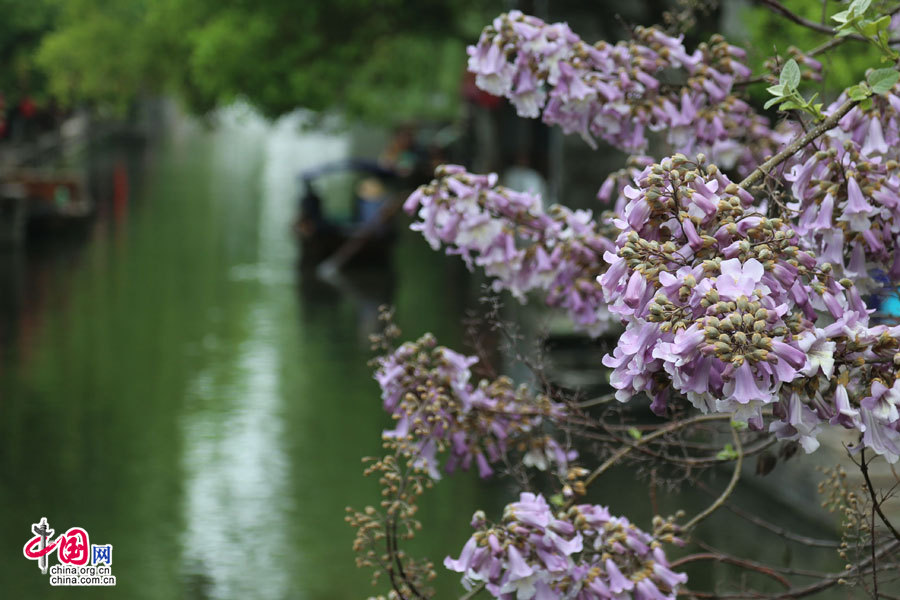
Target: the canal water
pixel 175 388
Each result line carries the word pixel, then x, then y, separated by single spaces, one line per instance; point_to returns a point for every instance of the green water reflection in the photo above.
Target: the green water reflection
pixel 175 390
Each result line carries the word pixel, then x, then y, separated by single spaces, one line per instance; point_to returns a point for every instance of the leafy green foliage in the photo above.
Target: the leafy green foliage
pixel 727 453
pixel 878 81
pixel 876 31
pixel 102 57
pixel 882 80
pixel 371 58
pixel 21 27
pixel 769 34
pixel 787 95
pixel 852 17
pixel 381 60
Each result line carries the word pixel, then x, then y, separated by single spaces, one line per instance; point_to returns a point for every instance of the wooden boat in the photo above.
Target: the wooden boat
pixel 55 202
pixel 366 240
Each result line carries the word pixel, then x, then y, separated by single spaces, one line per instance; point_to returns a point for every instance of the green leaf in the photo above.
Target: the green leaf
pixel 859 7
pixel 842 17
pixel 790 75
pixel 858 93
pixel 883 23
pixel 866 104
pixel 738 426
pixel 771 102
pixel 882 80
pixel 557 500
pixel 790 105
pixel 776 90
pixel 727 453
pixel 869 29
pixel 633 432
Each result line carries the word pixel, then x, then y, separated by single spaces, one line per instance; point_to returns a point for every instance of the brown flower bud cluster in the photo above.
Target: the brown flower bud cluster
pixel 380 531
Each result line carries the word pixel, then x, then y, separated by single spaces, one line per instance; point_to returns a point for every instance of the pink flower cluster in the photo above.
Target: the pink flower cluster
pixel 620 93
pixel 514 240
pixel 846 191
pixel 583 553
pixel 849 380
pixel 720 303
pixel 428 390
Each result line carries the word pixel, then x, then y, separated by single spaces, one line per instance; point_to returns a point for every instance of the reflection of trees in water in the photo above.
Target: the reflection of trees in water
pixel 234 462
pixel 36 278
pixel 196 582
pixel 33 281
pixel 363 290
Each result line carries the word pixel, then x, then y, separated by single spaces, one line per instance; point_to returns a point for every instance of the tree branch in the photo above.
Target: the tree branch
pixel 779 8
pixel 832 43
pixel 829 123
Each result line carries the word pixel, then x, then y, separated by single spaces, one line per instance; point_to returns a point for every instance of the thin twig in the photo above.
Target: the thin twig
pixel 747 564
pixel 604 399
pixel 872 544
pixel 690 460
pixel 751 80
pixel 797 592
pixel 780 531
pixel 735 477
pixel 622 452
pixel 864 468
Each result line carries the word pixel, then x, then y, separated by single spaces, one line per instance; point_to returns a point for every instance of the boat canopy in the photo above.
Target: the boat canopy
pixel 362 165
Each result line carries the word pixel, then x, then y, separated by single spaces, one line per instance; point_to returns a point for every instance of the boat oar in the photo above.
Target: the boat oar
pixel 351 247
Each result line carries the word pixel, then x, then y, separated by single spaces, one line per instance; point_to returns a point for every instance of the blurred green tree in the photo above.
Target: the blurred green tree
pixel 379 60
pixel 21 29
pixel 370 58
